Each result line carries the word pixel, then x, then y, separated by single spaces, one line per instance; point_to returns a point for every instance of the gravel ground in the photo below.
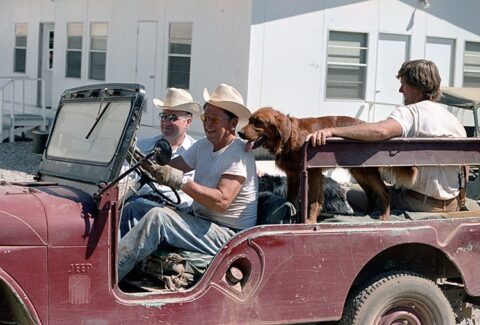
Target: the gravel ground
pixel 17 161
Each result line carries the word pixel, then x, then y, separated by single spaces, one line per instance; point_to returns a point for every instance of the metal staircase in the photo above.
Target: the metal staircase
pixel 19 106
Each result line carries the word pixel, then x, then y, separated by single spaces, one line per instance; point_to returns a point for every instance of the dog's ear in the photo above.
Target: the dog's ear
pixel 283 126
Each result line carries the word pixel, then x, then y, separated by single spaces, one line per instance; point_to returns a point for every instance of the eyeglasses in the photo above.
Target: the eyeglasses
pixel 170 117
pixel 212 118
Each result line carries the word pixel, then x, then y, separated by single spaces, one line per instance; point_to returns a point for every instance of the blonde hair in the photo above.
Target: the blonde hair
pixel 424 75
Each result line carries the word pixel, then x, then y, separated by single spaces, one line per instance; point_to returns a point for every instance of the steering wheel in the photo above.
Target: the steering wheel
pixel 162 155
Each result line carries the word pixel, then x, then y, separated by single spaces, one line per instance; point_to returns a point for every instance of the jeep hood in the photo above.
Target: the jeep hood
pixel 22 217
pixel 26 211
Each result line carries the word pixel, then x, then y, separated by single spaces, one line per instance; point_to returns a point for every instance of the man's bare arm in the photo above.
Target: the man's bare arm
pixel 383 130
pixel 219 198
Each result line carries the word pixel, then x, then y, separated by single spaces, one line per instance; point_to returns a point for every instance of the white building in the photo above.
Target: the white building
pixel 304 57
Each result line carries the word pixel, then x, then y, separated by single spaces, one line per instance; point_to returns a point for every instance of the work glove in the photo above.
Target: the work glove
pixel 166 175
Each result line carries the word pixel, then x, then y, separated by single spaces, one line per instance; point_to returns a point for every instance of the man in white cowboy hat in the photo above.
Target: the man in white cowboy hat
pixel 177 111
pixel 224 188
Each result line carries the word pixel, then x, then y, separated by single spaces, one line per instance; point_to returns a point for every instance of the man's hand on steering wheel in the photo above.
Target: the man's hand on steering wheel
pixel 151 173
pixel 166 175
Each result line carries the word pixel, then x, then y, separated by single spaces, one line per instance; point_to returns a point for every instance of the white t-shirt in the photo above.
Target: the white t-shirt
pixel 427 119
pixel 146 146
pixel 209 166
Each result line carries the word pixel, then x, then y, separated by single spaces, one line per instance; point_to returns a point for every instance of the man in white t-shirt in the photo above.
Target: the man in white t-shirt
pixel 224 188
pixel 436 188
pixel 177 112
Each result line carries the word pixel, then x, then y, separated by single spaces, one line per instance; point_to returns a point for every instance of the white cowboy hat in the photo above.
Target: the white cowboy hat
pixel 228 98
pixel 179 100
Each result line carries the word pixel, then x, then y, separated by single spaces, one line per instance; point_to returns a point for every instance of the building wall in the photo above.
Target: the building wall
pixel 22 11
pixel 273 51
pixel 288 50
pixel 220 41
pixel 216 53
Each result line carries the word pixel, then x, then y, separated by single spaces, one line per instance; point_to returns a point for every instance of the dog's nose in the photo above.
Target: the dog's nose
pixel 241 134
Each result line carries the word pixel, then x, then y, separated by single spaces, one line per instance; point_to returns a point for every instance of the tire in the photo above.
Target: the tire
pixel 399 298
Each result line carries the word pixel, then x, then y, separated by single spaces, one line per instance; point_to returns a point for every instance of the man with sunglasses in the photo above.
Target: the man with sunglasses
pixel 224 188
pixel 177 112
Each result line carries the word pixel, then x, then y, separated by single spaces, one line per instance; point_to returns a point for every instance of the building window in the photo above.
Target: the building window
pixel 50 49
pixel 471 65
pixel 74 50
pixel 20 56
pixel 98 51
pixel 346 65
pixel 179 54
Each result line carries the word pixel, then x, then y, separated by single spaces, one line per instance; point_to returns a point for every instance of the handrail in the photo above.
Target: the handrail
pixel 370 103
pixel 371 106
pixel 11 82
pixel 2 103
pixel 347 153
pixel 387 153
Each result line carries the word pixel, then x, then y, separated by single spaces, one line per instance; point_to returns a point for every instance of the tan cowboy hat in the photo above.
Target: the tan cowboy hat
pixel 179 100
pixel 228 98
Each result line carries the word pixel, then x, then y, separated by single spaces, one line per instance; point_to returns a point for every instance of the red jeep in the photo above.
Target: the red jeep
pixel 59 238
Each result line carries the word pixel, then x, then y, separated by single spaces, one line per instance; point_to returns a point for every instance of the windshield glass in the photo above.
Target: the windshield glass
pixel 68 139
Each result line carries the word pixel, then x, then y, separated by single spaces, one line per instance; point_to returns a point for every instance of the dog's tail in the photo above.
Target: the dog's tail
pixel 400 176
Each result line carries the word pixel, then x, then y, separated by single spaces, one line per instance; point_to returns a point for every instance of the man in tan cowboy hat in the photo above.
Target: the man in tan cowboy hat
pixel 224 188
pixel 177 111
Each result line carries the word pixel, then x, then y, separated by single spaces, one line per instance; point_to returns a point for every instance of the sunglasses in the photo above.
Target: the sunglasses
pixel 170 117
pixel 212 118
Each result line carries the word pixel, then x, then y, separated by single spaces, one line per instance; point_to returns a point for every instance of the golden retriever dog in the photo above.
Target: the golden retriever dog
pixel 283 136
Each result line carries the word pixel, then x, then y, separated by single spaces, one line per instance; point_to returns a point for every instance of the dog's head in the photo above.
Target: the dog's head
pixel 267 127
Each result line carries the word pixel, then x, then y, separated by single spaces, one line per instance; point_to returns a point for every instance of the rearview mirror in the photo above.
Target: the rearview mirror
pixel 162 152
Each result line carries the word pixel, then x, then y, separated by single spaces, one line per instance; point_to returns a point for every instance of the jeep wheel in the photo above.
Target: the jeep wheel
pixel 399 298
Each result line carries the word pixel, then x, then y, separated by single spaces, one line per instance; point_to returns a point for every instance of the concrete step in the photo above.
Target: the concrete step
pixel 23 123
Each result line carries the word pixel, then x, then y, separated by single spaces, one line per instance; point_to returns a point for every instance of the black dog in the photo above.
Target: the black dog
pixel 335 198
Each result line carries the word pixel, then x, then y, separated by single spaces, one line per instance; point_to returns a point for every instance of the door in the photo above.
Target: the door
pixel 441 51
pixel 393 50
pixel 45 69
pixel 145 66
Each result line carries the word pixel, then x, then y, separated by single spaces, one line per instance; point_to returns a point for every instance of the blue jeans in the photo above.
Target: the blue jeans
pixel 173 227
pixel 133 211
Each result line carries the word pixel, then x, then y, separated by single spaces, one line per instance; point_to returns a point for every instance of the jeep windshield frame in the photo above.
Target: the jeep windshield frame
pixel 96 159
